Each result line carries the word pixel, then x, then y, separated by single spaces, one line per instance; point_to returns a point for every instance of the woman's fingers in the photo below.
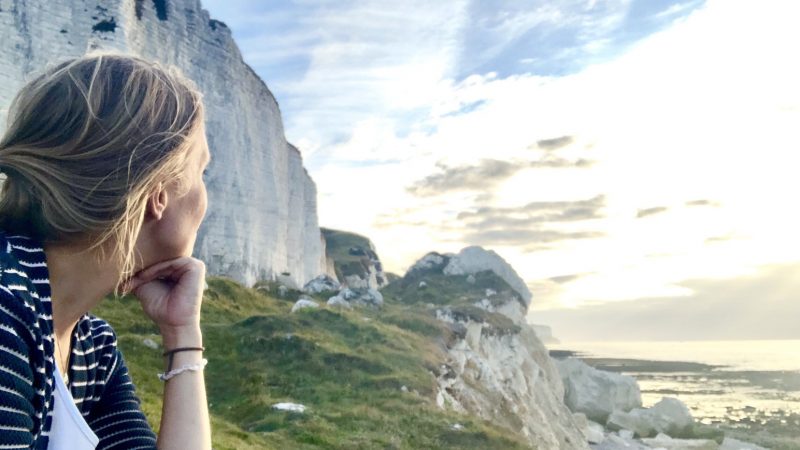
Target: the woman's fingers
pixel 169 268
pixel 185 270
pixel 171 291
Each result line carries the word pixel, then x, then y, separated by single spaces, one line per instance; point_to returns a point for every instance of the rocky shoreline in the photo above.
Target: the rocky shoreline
pixel 670 423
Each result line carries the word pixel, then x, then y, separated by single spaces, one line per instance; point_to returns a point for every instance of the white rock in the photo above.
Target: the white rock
pixel 614 442
pixel 471 279
pixel 321 283
pixel 514 370
pixel 293 407
pixel 283 290
pixel 671 416
pixel 371 297
pixel 485 304
pixel 663 441
pixel 360 297
pixel 668 416
pixel 597 393
pixel 595 433
pixel 304 303
pixel 733 444
pixel 545 333
pixel 348 294
pixel 423 284
pixel 150 343
pixel 592 430
pixel 625 434
pixel 637 420
pixel 490 292
pixel 457 426
pixel 428 261
pixel 262 218
pixel 475 259
pixel 339 301
pixel 404 388
pixel 356 282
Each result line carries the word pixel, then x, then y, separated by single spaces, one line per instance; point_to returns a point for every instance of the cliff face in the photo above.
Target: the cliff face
pixel 262 216
pixel 509 379
pixel 353 260
pixel 496 367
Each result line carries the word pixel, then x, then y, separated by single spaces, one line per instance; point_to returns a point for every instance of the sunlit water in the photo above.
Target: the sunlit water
pixel 756 385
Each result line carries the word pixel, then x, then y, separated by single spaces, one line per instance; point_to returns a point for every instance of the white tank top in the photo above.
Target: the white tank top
pixel 69 430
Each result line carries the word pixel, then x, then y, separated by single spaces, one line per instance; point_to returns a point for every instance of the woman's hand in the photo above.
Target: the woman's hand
pixel 171 292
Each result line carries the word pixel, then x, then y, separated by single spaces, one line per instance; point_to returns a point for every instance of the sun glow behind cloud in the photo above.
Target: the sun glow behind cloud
pixel 687 138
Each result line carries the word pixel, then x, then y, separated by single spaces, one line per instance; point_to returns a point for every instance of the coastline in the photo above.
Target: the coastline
pixel 760 406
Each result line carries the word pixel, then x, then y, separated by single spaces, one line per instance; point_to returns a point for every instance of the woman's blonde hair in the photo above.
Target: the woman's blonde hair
pixel 87 141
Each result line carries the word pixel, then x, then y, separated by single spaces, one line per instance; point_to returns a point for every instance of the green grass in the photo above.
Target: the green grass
pixel 346 366
pixel 441 289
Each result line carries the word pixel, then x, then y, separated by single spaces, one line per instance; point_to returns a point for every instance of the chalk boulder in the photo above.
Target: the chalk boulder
pixel 669 416
pixel 734 444
pixel 321 283
pixel 474 259
pixel 292 407
pixel 668 443
pixel 597 393
pixel 304 303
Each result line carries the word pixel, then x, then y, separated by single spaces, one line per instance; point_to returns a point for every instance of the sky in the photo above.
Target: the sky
pixel 635 161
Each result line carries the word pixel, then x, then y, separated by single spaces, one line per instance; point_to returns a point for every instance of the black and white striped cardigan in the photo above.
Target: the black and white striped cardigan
pixel 99 379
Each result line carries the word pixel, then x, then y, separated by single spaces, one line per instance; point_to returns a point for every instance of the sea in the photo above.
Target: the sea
pixel 749 388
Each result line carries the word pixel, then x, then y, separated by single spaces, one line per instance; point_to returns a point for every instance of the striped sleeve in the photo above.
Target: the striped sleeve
pixel 16 375
pixel 117 418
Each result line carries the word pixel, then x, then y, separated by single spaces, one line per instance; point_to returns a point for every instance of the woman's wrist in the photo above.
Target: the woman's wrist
pixel 188 336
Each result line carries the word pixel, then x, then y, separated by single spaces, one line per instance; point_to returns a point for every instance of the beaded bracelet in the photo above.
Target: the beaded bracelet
pixel 183 368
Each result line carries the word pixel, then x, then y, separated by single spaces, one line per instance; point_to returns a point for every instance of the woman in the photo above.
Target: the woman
pixel 104 157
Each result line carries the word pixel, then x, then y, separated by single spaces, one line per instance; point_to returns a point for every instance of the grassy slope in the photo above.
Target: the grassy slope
pixel 346 367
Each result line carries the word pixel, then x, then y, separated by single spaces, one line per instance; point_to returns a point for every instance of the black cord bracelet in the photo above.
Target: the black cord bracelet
pixel 172 352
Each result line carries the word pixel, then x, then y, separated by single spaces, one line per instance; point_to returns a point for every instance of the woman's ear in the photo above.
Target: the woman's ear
pixel 157 202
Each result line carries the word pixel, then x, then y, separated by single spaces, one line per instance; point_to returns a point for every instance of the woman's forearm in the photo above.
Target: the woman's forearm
pixel 184 416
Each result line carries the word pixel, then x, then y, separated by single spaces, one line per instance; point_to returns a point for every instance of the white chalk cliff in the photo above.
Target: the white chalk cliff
pixel 496 368
pixel 262 216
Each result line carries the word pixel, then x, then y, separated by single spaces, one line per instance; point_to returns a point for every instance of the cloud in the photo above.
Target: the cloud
pixel 721 238
pixel 563 279
pixel 702 202
pixel 332 67
pixel 762 305
pixel 530 226
pixel 650 211
pixel 543 36
pixel 555 211
pixel 385 66
pixel 677 9
pixel 554 143
pixel 487 174
pixel 524 237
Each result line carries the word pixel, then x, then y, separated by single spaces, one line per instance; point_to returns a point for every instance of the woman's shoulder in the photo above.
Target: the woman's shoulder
pixel 101 332
pixel 20 304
